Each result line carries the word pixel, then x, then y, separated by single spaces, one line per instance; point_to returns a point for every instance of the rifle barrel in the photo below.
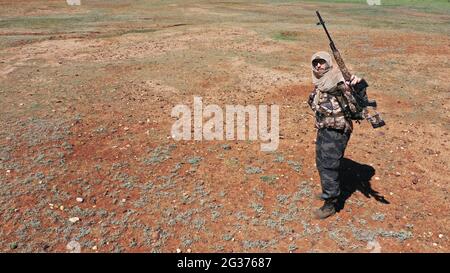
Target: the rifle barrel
pixel 324 27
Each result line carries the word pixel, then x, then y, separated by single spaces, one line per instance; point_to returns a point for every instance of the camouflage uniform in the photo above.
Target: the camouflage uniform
pixel 334 130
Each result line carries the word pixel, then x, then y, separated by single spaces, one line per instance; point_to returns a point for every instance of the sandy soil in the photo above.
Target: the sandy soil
pixel 85 113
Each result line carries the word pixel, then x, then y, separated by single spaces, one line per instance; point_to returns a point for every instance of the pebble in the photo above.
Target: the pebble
pixel 397 174
pixel 226 147
pixel 178 250
pixel 61 207
pixel 373 246
pixel 155 235
pixel 74 219
pixel 73 247
pixel 377 178
pixel 189 250
pixel 441 236
pixel 94 248
pixel 80 200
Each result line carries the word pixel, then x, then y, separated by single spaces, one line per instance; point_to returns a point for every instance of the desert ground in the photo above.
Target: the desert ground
pixel 88 163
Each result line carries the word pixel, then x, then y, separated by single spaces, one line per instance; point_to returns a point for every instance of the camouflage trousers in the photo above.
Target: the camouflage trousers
pixel 330 148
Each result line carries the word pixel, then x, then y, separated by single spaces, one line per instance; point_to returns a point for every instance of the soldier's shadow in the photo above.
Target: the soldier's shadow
pixel 356 177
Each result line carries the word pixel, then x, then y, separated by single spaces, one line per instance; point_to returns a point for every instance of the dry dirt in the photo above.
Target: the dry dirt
pixel 86 112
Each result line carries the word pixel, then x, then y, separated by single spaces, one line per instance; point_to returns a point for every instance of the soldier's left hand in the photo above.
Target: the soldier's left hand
pixel 354 79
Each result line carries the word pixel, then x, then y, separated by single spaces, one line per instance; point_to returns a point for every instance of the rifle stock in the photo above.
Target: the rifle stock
pixel 341 64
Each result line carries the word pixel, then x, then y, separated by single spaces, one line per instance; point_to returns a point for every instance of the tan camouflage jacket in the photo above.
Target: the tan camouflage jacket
pixel 329 113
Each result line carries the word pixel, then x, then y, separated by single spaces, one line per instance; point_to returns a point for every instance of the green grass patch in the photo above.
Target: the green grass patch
pixel 441 6
pixel 285 36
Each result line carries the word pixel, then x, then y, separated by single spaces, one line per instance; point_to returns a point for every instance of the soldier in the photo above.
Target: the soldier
pixel 334 126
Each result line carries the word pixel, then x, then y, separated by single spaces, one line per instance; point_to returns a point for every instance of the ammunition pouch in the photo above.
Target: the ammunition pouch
pixel 358 107
pixel 359 101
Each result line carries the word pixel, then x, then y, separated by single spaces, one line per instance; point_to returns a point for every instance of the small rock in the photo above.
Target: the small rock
pixel 155 235
pixel 226 147
pixel 74 219
pixel 123 200
pixel 61 207
pixel 178 250
pixel 377 178
pixel 80 200
pixel 73 247
pixel 73 3
pixel 8 171
pixel 188 250
pixel 397 174
pixel 94 248
pixel 373 246
pixel 441 236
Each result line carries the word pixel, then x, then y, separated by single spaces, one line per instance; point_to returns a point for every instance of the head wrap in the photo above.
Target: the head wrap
pixel 327 80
